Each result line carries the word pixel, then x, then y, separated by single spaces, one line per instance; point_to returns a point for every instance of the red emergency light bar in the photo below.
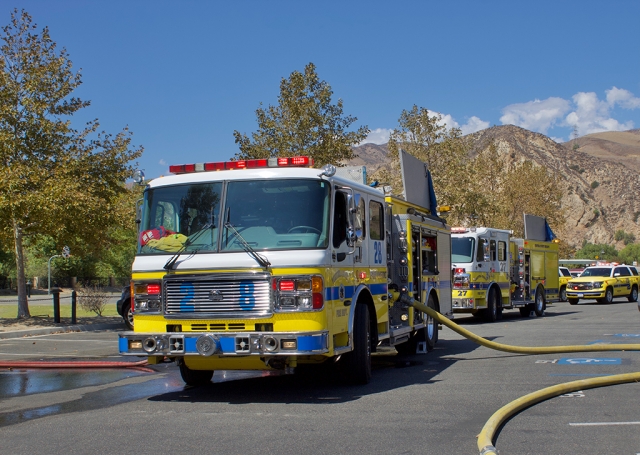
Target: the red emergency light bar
pixel 295 161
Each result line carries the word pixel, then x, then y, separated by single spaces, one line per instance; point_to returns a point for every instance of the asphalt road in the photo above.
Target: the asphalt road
pixel 424 404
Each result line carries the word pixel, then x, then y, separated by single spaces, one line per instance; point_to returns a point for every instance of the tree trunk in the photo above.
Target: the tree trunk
pixel 23 304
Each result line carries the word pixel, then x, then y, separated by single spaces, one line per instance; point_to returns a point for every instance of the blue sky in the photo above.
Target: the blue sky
pixel 184 75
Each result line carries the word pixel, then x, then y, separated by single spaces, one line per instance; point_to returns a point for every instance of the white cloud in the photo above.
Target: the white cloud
pixel 585 111
pixel 474 124
pixel 162 162
pixel 378 136
pixel 381 135
pixel 622 97
pixel 536 115
pixel 591 115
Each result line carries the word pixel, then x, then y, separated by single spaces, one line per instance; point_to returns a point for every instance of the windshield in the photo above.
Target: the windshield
pixel 173 214
pixel 596 271
pixel 267 214
pixel 276 214
pixel 462 249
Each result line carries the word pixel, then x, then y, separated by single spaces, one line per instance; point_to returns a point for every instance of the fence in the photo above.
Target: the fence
pixel 66 282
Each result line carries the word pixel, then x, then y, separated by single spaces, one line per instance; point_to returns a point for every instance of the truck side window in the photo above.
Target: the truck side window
pixel 376 221
pixel 339 219
pixel 502 251
pixel 481 247
pixel 492 250
pixel 361 217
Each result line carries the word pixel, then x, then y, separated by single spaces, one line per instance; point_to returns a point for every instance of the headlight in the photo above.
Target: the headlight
pixel 147 297
pixel 298 293
pixel 597 284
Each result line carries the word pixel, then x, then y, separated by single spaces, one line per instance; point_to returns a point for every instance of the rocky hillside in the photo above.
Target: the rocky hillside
pixel 600 182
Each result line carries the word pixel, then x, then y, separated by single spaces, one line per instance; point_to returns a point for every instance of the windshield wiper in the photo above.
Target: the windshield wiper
pixel 173 259
pixel 263 261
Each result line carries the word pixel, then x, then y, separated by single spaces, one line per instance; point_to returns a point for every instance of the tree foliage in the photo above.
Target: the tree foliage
pixel 56 180
pixel 305 122
pixel 599 251
pixel 427 138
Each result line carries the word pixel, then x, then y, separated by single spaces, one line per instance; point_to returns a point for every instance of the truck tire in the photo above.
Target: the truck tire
pixel 195 377
pixel 491 312
pixel 573 301
pixel 431 330
pixel 127 315
pixel 357 363
pixel 539 305
pixel 633 297
pixel 563 294
pixel 608 296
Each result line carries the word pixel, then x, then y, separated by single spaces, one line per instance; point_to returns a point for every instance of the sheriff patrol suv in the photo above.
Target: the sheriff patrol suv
pixel 603 283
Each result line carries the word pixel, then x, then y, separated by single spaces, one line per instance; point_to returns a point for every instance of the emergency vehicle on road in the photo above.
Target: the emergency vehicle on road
pixel 603 283
pixel 268 264
pixel 494 271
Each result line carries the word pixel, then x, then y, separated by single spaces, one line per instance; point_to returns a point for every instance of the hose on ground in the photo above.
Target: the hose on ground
pixel 517 349
pixel 485 438
pixel 70 364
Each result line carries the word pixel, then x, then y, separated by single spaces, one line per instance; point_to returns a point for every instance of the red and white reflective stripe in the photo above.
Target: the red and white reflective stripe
pixel 295 161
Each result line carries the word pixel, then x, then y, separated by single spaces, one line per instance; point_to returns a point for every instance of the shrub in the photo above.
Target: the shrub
pixel 595 184
pixel 93 299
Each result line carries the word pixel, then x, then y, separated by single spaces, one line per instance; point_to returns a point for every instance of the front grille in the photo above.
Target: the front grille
pixel 217 327
pixel 218 296
pixel 582 287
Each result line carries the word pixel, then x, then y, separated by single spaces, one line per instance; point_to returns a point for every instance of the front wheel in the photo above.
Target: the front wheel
pixel 491 312
pixel 357 363
pixel 127 315
pixel 633 297
pixel 195 377
pixel 573 301
pixel 608 296
pixel 563 294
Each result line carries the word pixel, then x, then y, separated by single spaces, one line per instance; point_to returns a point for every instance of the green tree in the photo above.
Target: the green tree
pixel 444 150
pixel 600 251
pixel 56 179
pixel 528 188
pixel 305 122
pixel 630 253
pixel 482 187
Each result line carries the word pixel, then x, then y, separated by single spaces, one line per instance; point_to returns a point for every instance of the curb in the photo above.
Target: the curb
pixel 59 329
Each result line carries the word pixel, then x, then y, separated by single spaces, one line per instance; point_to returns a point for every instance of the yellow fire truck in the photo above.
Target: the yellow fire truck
pixel 268 264
pixel 494 271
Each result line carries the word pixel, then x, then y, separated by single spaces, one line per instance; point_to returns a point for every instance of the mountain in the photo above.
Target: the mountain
pixel 617 146
pixel 599 179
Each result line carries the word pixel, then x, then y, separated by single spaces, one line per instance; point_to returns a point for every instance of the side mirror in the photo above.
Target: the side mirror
pixel 354 231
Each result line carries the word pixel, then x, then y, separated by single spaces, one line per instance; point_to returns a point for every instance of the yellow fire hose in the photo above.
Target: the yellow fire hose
pixel 485 438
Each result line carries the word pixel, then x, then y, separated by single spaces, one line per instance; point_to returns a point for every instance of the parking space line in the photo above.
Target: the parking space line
pixel 603 424
pixel 578 374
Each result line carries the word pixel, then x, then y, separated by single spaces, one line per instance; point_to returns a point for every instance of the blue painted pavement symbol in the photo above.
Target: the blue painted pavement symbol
pixel 589 361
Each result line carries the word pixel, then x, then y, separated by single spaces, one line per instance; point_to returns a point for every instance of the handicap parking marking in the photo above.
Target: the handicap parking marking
pixel 589 361
pixel 627 335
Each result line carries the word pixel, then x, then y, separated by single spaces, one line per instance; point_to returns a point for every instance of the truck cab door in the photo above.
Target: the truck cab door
pixel 341 279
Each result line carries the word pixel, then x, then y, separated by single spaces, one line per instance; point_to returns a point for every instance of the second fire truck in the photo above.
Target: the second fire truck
pixel 494 271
